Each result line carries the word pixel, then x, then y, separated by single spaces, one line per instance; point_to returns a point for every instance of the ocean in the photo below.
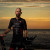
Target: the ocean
pixel 41 42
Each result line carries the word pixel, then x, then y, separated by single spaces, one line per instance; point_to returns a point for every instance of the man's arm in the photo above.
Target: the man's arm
pixel 6 31
pixel 9 28
pixel 25 33
pixel 25 29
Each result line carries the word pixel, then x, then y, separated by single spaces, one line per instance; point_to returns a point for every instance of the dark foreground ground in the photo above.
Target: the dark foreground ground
pixel 41 42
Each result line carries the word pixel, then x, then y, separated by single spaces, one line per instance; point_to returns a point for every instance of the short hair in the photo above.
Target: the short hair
pixel 19 8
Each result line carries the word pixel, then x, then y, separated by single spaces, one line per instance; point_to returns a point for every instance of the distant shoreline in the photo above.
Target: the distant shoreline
pixel 32 29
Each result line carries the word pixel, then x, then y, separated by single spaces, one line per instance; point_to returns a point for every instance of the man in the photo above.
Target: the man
pixel 19 25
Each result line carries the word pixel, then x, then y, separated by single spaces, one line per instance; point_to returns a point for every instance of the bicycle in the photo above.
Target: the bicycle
pixel 2 43
pixel 27 43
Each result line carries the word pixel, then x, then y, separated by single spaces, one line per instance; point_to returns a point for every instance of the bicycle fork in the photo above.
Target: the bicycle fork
pixel 2 43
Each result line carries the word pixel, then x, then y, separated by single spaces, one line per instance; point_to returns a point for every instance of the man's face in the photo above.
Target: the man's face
pixel 17 12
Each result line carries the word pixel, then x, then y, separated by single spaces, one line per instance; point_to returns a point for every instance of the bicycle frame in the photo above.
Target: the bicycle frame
pixel 2 43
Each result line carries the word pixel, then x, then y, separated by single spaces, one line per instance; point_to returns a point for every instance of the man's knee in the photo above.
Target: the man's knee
pixel 11 48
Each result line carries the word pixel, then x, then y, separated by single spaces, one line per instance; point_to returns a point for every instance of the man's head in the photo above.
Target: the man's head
pixel 18 12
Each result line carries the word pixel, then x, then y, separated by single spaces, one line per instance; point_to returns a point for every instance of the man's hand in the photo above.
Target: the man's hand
pixel 2 35
pixel 25 33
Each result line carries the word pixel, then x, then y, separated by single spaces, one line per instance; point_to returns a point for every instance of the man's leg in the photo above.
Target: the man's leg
pixel 13 44
pixel 21 47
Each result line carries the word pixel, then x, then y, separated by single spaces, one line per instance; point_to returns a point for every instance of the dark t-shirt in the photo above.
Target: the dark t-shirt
pixel 18 26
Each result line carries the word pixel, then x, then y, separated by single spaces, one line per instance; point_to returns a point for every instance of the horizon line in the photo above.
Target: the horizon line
pixel 38 29
pixel 27 2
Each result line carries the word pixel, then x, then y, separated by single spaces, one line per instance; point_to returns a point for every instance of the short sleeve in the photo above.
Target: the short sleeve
pixel 10 24
pixel 24 25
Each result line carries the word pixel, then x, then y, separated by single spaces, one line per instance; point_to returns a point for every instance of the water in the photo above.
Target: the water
pixel 42 41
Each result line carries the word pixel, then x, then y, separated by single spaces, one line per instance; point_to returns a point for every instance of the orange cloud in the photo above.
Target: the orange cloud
pixel 5 17
pixel 32 23
pixel 37 19
pixel 38 23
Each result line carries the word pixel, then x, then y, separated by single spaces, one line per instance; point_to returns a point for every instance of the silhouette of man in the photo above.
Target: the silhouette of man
pixel 19 25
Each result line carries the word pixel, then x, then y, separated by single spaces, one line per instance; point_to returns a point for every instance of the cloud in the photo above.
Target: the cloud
pixel 7 18
pixel 28 19
pixel 10 5
pixel 37 23
pixel 21 0
pixel 40 5
pixel 37 19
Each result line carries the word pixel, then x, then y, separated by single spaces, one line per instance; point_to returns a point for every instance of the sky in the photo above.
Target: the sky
pixel 37 15
pixel 21 0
